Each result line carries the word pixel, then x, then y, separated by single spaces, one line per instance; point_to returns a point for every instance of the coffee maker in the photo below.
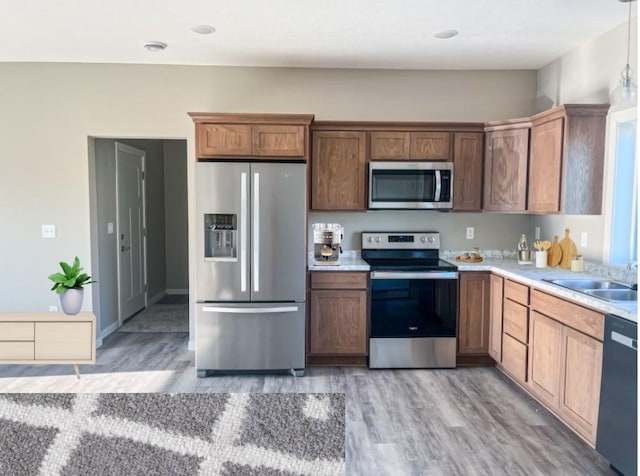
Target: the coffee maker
pixel 326 243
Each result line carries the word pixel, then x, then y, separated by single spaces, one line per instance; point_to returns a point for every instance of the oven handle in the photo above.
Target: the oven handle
pixel 414 275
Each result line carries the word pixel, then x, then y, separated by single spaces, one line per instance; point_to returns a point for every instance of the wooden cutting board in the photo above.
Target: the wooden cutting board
pixel 555 253
pixel 568 248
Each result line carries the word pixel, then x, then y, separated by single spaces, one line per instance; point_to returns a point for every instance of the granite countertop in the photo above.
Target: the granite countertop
pixel 532 276
pixel 508 267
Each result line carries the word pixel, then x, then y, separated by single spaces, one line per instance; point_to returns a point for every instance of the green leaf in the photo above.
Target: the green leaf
pixel 60 290
pixel 66 268
pixel 76 266
pixel 58 278
pixel 70 283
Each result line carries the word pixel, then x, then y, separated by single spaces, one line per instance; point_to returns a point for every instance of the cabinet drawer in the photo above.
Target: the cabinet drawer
pixel 516 292
pixel 515 320
pixel 16 350
pixel 389 146
pixel 278 141
pixel 16 331
pixel 514 357
pixel 223 139
pixel 580 318
pixel 64 341
pixel 338 280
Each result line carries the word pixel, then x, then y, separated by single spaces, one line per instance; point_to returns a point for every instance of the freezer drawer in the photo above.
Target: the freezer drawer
pixel 255 336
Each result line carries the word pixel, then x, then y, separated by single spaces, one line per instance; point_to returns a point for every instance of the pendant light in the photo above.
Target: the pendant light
pixel 625 94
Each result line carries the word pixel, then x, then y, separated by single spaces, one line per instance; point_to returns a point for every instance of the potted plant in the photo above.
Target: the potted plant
pixel 70 286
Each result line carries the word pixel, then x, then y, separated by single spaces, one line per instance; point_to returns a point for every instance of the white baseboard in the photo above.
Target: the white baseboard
pixel 156 298
pixel 177 291
pixel 192 345
pixel 98 342
pixel 108 331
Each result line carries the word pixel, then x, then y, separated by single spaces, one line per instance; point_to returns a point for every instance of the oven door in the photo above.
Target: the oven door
pixel 414 304
pixel 413 319
pixel 410 185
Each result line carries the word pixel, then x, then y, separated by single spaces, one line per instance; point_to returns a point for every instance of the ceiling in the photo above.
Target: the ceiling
pixel 390 34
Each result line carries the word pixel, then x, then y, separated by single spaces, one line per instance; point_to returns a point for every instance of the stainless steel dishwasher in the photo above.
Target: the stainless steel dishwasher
pixel 617 438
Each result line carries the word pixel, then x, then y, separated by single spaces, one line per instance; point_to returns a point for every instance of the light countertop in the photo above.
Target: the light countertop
pixel 509 268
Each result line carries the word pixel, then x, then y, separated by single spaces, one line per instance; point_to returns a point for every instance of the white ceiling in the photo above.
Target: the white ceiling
pixel 395 34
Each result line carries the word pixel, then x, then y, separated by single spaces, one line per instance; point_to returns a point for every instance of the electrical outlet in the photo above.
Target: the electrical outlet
pixel 48 231
pixel 583 239
pixel 53 308
pixel 470 232
pixel 537 233
pixel 110 228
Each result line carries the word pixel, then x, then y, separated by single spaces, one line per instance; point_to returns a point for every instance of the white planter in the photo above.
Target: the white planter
pixel 71 301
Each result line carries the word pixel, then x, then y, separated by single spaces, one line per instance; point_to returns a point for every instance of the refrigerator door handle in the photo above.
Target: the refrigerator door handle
pixel 243 233
pixel 250 310
pixel 256 232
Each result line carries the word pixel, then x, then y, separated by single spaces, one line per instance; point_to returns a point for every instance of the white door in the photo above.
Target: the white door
pixel 131 224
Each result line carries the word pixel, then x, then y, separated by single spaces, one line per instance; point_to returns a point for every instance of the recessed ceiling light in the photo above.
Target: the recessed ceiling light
pixel 203 29
pixel 155 45
pixel 445 34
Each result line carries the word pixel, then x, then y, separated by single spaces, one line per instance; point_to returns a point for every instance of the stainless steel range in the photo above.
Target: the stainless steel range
pixel 413 303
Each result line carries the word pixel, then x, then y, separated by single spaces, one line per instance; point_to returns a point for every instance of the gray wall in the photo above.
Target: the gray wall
pixel 584 75
pixel 492 231
pixel 176 218
pixel 107 273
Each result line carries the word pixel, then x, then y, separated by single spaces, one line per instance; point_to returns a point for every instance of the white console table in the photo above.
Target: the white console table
pixel 47 338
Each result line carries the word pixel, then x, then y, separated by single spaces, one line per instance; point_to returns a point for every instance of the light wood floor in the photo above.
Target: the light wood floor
pixel 465 421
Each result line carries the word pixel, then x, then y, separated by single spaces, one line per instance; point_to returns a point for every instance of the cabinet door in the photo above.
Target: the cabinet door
pixel 430 146
pixel 473 323
pixel 338 322
pixel 215 140
pixel 495 318
pixel 580 382
pixel 338 171
pixel 467 171
pixel 389 146
pixel 545 167
pixel 278 141
pixel 505 170
pixel 545 348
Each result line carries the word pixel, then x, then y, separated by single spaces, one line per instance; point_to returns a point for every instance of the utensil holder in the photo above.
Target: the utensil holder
pixel 541 259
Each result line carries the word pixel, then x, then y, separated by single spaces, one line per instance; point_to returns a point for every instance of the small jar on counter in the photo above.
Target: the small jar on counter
pixel 577 264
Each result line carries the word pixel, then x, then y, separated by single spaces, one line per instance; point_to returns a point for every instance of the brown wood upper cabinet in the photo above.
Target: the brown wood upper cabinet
pixel 467 171
pixel 338 170
pixel 223 135
pixel 505 166
pixel 399 145
pixel 567 159
pixel 474 313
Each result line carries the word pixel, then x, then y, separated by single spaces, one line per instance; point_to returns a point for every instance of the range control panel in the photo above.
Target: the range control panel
pixel 420 240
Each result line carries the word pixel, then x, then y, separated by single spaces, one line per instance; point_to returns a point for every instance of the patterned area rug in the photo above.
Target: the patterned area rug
pixel 159 318
pixel 172 434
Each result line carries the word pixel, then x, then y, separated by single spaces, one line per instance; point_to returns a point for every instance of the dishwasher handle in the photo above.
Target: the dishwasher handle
pixel 624 340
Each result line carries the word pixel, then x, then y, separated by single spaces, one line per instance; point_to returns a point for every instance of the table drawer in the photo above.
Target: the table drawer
pixel 16 331
pixel 64 341
pixel 516 292
pixel 516 320
pixel 16 350
pixel 514 358
pixel 338 280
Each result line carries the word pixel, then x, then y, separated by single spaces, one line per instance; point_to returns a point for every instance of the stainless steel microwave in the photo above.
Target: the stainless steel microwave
pixel 411 185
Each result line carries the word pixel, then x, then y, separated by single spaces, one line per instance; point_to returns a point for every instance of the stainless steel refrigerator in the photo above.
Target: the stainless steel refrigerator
pixel 250 271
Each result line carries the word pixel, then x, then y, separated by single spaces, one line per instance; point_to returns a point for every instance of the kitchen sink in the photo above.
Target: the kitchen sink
pixel 602 289
pixel 579 284
pixel 613 294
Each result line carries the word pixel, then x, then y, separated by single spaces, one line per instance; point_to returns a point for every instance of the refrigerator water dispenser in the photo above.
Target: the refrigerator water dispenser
pixel 220 237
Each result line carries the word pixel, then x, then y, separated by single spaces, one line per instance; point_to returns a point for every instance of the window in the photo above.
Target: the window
pixel 622 210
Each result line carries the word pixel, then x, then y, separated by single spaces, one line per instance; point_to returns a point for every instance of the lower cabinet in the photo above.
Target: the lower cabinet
pixel 495 318
pixel 565 367
pixel 338 315
pixel 473 317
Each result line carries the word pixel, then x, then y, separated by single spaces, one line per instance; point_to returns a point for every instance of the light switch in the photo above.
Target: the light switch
pixel 470 232
pixel 48 231
pixel 110 228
